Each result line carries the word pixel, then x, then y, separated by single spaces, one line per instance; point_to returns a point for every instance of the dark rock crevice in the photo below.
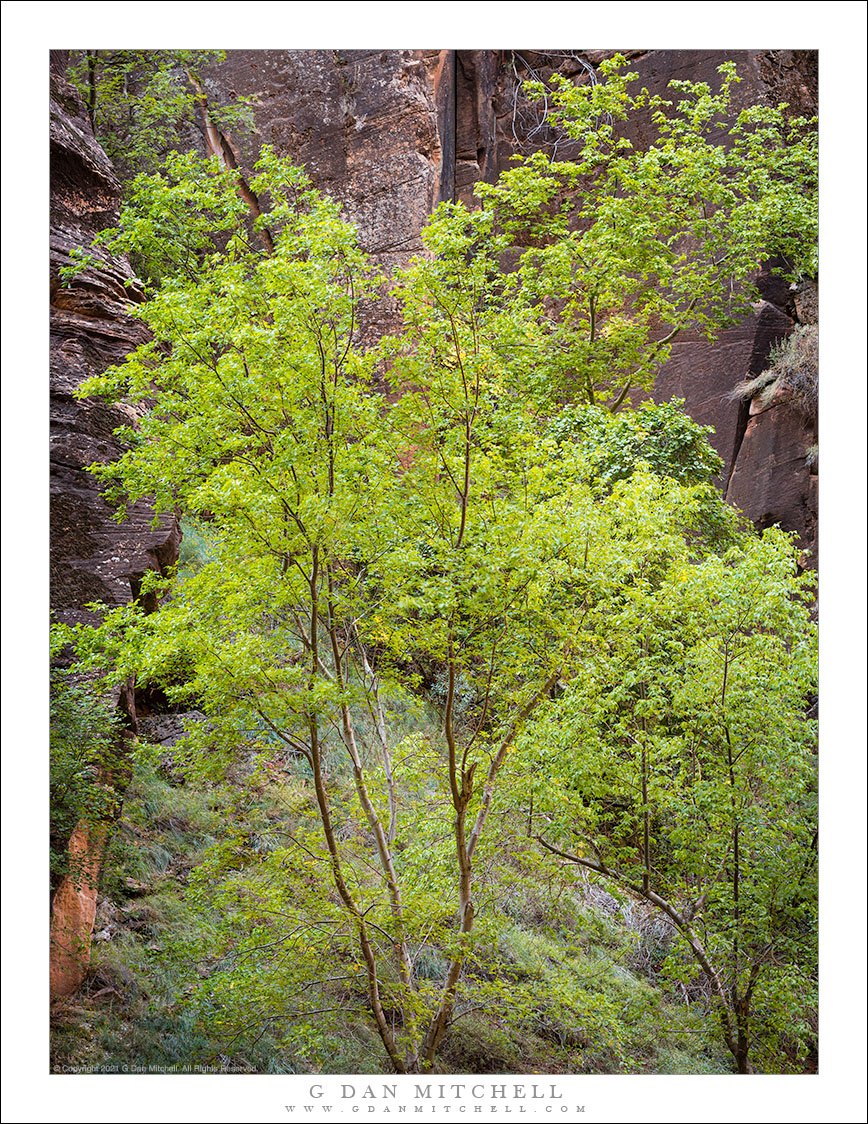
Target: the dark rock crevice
pixel 772 325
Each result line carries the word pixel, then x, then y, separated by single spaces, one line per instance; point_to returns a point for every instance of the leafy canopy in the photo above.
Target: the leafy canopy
pixel 627 247
pixel 680 765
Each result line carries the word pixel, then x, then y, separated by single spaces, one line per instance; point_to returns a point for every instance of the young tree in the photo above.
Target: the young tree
pixel 622 249
pixel 680 767
pixel 351 539
pixel 335 530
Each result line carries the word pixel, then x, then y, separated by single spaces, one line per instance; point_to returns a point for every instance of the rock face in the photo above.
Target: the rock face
pixel 92 558
pixel 373 128
pixel 367 125
pixel 774 477
pixel 73 911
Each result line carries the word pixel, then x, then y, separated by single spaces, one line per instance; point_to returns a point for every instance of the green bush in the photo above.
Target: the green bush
pixel 661 435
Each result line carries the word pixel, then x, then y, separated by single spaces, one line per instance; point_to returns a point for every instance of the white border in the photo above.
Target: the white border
pixel 838 31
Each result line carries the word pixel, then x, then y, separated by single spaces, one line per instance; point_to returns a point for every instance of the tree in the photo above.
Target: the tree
pixel 680 767
pixel 327 546
pixel 352 540
pixel 628 248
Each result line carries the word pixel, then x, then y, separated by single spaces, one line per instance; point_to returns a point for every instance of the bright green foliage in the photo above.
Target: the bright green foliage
pixel 140 102
pixel 345 535
pixel 175 225
pixel 660 436
pixel 84 753
pixel 680 764
pixel 622 249
pixel 352 541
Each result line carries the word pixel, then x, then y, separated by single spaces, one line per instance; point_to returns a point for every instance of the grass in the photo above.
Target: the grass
pixel 135 1009
pixel 555 986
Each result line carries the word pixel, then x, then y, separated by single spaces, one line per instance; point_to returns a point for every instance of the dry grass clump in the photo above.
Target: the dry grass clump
pixel 792 375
